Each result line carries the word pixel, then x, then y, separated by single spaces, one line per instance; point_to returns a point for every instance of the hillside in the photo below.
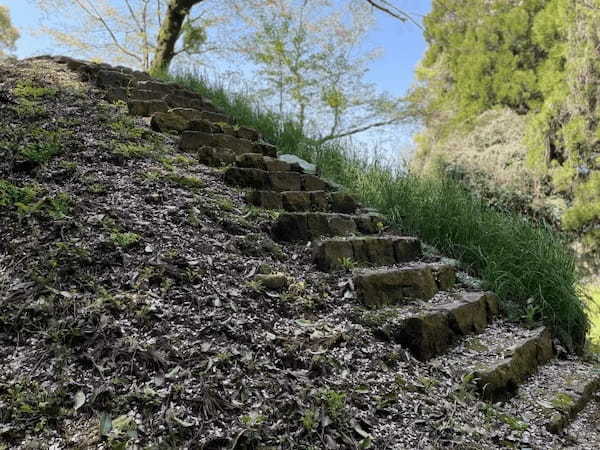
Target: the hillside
pixel 167 282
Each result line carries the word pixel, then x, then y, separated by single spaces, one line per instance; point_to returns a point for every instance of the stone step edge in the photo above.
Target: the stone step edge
pixel 331 254
pixel 309 226
pixel 383 287
pixel 580 397
pixel 435 329
pixel 263 180
pixel 501 380
pixel 304 201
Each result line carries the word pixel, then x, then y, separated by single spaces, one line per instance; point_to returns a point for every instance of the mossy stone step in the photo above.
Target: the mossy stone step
pixel 274 181
pixel 304 201
pixel 427 331
pixel 197 140
pixel 259 161
pixel 555 395
pixel 181 119
pixel 571 400
pixel 381 287
pixel 146 108
pixel 330 254
pixel 304 227
pixel 500 380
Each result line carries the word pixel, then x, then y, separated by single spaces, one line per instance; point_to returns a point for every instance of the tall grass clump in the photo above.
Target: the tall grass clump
pixel 528 265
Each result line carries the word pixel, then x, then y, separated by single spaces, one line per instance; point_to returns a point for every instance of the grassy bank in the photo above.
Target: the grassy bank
pixel 526 264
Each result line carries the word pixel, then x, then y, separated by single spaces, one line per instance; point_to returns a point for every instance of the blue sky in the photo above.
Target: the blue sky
pixel 403 44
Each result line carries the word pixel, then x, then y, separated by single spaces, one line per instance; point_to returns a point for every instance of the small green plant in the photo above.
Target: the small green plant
pixel 532 313
pixel 335 402
pixel 255 285
pixel 310 419
pixel 563 402
pixel 125 240
pixel 126 128
pixel 10 194
pixel 28 109
pixel 41 152
pixel 347 263
pixel 60 206
pixel 188 182
pixel 225 204
pixel 253 420
pixel 30 90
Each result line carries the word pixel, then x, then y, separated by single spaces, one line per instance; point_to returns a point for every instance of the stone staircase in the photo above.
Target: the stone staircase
pixel 406 297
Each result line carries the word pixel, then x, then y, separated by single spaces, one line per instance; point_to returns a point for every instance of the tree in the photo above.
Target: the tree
pixel 8 34
pixel 145 33
pixel 309 58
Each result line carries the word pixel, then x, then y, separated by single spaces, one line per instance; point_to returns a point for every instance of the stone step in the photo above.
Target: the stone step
pixel 554 396
pixel 196 140
pixel 382 287
pixel 307 226
pixel 499 360
pixel 304 201
pixel 182 119
pixel 428 329
pixel 146 108
pixel 329 254
pixel 274 181
pixel 259 161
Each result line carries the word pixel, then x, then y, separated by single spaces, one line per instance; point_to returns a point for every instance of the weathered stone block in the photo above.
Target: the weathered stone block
pixel 141 94
pixel 284 181
pixel 376 288
pixel 264 148
pixel 265 199
pixel 314 183
pixel 146 108
pixel 343 202
pixel 296 201
pixel 168 121
pixel 202 125
pixel 500 381
pixel 112 78
pixel 177 100
pixel 215 157
pixel 248 178
pixel 114 94
pixel 248 133
pixel 192 140
pixel 372 250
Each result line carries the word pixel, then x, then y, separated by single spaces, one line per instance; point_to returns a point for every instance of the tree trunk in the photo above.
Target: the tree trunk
pixel 169 33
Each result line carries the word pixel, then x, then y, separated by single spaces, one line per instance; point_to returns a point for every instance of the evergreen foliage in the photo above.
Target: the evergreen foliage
pixel 537 58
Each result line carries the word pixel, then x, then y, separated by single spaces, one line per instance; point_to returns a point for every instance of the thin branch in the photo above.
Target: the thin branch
pixel 133 16
pixel 393 11
pixel 100 19
pixel 358 130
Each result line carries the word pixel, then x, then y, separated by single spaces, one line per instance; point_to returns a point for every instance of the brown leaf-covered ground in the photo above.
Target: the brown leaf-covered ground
pixel 129 317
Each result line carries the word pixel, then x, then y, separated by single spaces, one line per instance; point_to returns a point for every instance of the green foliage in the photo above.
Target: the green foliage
pixel 8 34
pixel 125 240
pixel 134 151
pixel 516 258
pixel 11 195
pixel 538 58
pixel 32 91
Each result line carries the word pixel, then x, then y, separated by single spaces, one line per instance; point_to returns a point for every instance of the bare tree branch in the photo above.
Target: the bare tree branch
pixel 95 15
pixel 392 10
pixel 357 130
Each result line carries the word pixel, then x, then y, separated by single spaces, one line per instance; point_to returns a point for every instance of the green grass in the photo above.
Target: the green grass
pixel 523 262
